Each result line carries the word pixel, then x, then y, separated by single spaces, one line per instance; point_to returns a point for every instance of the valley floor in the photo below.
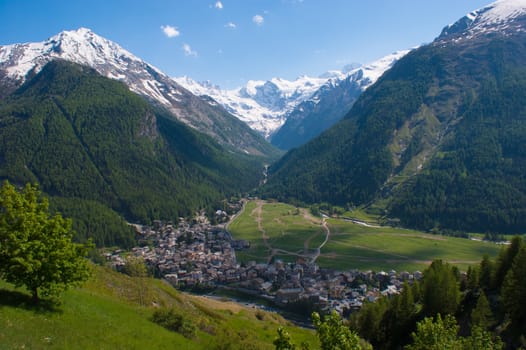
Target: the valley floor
pixel 289 257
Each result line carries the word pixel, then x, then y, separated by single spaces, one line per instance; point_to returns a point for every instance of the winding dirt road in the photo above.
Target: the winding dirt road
pixel 257 213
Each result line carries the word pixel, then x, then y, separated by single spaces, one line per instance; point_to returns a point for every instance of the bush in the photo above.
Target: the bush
pixel 173 321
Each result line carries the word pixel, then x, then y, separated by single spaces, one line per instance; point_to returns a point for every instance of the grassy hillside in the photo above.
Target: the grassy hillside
pixel 113 311
pixel 286 232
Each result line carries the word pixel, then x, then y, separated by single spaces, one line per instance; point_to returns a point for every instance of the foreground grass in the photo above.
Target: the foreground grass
pixel 350 246
pixel 113 311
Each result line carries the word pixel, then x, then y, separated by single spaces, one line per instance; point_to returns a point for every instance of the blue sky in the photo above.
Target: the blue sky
pixel 231 41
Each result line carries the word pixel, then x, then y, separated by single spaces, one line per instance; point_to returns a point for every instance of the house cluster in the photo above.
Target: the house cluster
pixel 189 254
pixel 323 289
pixel 198 254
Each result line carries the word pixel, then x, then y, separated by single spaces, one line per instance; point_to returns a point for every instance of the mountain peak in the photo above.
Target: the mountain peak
pixel 86 47
pixel 502 16
pixel 84 30
pixel 80 32
pixel 82 46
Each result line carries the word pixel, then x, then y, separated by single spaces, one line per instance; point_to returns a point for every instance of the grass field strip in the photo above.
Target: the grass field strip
pixel 278 230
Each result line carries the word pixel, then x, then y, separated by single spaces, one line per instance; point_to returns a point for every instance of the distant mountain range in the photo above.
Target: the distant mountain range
pixel 330 103
pixel 289 113
pixel 261 104
pixel 438 141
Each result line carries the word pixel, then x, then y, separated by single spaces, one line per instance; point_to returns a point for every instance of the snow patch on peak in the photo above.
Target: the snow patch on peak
pixel 261 104
pixel 502 10
pixel 374 70
pixel 472 15
pixel 83 46
pixel 500 16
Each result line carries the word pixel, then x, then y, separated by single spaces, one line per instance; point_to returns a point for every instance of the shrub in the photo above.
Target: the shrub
pixel 173 321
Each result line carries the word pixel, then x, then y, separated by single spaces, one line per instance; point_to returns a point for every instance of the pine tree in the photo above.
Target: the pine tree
pixel 486 272
pixel 440 291
pixel 481 316
pixel 505 261
pixel 473 276
pixel 401 317
pixel 514 290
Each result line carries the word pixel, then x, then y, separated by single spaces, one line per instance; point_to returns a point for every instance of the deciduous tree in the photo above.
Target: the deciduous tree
pixel 333 334
pixel 441 334
pixel 436 334
pixel 36 250
pixel 282 342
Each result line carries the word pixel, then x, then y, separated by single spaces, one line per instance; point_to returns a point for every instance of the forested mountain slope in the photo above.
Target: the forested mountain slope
pixel 440 135
pixel 96 147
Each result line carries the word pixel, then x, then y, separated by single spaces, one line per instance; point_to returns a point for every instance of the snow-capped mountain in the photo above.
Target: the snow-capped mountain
pixel 500 16
pixel 261 104
pixel 82 46
pixel 266 105
pixel 330 102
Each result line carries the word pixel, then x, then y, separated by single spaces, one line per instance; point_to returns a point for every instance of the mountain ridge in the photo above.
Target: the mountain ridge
pixel 493 18
pixel 330 102
pixel 261 104
pixel 19 62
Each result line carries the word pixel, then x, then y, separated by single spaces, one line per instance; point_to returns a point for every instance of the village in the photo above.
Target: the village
pixel 199 256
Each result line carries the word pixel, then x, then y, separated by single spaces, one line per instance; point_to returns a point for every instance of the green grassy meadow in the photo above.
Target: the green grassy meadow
pixel 386 248
pixel 350 246
pixel 279 226
pixel 113 311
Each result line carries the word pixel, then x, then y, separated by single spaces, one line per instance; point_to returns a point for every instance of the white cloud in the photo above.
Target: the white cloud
pixel 258 19
pixel 219 5
pixel 170 31
pixel 188 50
pixel 231 25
